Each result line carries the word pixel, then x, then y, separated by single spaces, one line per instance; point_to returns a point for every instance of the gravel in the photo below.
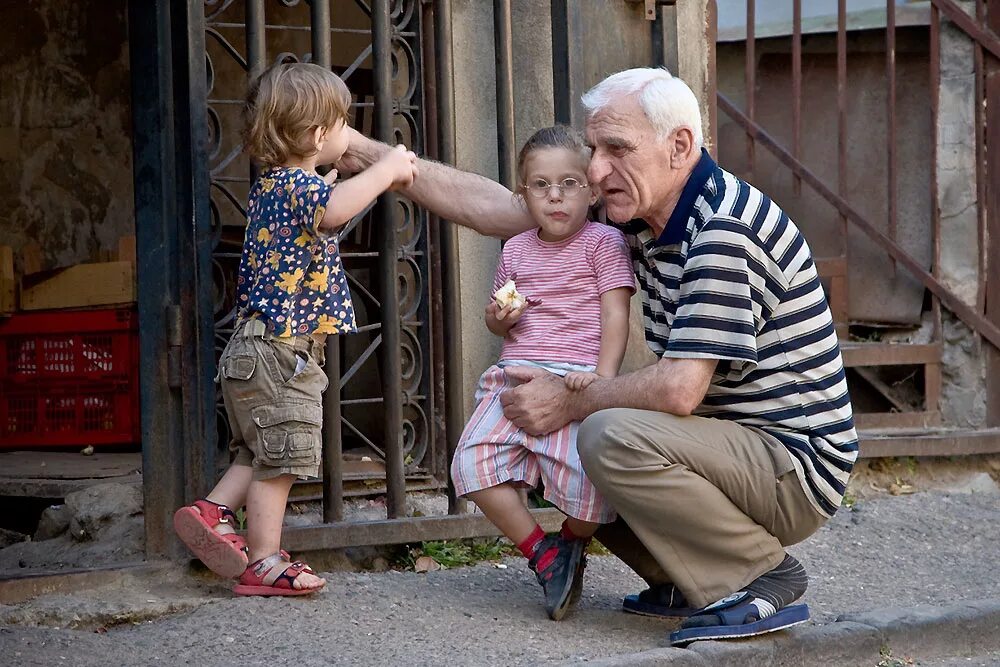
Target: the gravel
pixel 927 548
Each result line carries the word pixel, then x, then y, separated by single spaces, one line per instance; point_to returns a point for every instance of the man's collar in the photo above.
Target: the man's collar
pixel 676 225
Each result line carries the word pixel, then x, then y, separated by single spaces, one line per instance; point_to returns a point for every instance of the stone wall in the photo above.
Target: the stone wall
pixel 65 127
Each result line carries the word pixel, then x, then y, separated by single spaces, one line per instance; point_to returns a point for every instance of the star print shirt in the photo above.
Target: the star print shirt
pixel 291 275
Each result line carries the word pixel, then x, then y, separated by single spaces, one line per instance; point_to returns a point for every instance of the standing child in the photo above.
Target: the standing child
pixel 292 293
pixel 576 280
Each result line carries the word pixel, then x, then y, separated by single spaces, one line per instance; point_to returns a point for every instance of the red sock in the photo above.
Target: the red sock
pixel 531 542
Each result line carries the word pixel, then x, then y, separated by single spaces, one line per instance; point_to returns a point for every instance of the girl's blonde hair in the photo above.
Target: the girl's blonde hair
pixel 557 136
pixel 285 104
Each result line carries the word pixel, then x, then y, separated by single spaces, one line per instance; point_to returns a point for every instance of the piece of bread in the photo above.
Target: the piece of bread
pixel 508 295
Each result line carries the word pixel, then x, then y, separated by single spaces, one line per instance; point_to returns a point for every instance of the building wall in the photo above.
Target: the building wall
pixel 65 127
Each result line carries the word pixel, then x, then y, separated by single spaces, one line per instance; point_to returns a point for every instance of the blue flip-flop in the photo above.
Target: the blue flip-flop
pixel 658 601
pixel 734 611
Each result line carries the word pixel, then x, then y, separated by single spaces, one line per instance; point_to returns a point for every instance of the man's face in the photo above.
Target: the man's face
pixel 630 166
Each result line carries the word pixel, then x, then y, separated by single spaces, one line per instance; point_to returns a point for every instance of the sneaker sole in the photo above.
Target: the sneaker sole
pixel 567 600
pixel 217 553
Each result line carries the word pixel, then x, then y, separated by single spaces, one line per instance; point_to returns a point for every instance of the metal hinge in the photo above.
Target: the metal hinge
pixel 174 346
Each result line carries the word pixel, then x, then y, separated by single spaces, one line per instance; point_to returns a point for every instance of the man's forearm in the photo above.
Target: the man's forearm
pixel 674 386
pixel 462 197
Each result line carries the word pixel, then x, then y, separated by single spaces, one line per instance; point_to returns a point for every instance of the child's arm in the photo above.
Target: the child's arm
pixel 398 167
pixel 614 337
pixel 614 331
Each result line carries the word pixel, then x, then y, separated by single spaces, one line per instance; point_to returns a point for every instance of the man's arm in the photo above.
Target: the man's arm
pixel 543 403
pixel 462 197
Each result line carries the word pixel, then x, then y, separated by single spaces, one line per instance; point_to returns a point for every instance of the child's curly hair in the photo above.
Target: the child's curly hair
pixel 285 104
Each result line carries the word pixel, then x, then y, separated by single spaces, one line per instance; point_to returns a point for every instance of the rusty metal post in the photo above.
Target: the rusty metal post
pixel 797 88
pixel 319 32
pixel 256 50
pixel 992 184
pixel 750 78
pixel 890 73
pixel 503 50
pixel 390 363
pixel 842 115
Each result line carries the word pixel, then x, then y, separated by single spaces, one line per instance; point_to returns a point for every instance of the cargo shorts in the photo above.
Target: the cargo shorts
pixel 273 388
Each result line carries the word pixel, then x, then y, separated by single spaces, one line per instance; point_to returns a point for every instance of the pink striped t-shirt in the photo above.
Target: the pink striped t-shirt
pixel 568 277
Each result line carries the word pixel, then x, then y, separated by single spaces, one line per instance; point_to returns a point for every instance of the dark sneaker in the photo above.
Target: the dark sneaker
pixel 558 564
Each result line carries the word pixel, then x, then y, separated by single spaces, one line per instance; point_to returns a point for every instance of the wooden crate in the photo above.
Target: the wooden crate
pixel 80 286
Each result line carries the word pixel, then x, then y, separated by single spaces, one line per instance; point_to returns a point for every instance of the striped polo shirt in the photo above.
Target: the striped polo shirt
pixel 731 278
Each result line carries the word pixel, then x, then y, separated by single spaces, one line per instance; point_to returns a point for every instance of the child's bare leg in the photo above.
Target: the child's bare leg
pixel 579 528
pixel 265 514
pixel 504 506
pixel 231 490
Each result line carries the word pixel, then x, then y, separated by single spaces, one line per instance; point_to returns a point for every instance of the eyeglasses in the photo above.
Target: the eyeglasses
pixel 568 188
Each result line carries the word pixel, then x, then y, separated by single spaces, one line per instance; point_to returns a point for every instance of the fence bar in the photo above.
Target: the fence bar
pixel 450 288
pixel 982 326
pixel 319 11
pixel 890 73
pixel 981 185
pixel 993 215
pixel 390 364
pixel 842 112
pixel 333 445
pixel 503 53
pixel 256 50
pixel 935 88
pixel 797 88
pixel 749 76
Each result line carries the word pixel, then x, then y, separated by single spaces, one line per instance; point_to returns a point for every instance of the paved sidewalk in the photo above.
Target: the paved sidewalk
pixel 890 553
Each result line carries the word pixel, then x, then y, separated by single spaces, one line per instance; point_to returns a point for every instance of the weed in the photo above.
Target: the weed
pixel 849 500
pixel 889 661
pixel 456 553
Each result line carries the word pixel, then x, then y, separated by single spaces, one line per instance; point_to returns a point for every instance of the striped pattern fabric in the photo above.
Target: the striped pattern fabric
pixel 492 451
pixel 731 278
pixel 568 277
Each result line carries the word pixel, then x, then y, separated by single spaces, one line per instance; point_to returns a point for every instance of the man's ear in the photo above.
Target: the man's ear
pixel 682 146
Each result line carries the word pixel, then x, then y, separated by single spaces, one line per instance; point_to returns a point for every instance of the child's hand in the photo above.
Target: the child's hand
pixel 578 381
pixel 507 316
pixel 331 177
pixel 401 165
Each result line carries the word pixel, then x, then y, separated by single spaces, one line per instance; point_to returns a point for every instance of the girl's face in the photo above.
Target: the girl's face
pixel 331 143
pixel 560 209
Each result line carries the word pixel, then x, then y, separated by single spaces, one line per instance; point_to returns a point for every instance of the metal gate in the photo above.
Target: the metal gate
pixel 379 410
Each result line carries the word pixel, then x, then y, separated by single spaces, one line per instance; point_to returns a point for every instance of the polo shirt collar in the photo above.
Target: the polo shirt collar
pixel 676 226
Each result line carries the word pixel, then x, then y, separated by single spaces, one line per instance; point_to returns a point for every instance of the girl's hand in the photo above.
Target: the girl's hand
pixel 507 316
pixel 401 165
pixel 579 380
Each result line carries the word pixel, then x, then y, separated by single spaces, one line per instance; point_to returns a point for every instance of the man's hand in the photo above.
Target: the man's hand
pixel 361 152
pixel 541 404
pixel 331 177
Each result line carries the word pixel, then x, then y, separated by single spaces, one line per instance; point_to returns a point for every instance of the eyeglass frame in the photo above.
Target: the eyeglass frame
pixel 566 191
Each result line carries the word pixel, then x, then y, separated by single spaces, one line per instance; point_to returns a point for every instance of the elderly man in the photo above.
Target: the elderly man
pixel 739 441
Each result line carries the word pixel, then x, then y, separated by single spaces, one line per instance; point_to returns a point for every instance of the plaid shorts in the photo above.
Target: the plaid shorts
pixel 492 451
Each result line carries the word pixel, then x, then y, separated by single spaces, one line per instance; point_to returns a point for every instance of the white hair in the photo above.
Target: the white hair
pixel 666 100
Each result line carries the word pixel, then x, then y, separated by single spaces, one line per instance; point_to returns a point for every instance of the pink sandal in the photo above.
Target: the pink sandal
pixel 208 531
pixel 268 577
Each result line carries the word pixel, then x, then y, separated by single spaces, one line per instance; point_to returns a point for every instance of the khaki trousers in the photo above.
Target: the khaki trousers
pixel 705 504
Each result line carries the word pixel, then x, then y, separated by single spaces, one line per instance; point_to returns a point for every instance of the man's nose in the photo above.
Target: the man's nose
pixel 598 170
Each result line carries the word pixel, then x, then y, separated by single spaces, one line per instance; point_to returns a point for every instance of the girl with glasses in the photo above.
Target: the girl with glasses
pixel 576 276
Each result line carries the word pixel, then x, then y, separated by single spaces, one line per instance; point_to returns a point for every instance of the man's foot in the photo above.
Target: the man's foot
pixel 661 601
pixel 558 565
pixel 764 606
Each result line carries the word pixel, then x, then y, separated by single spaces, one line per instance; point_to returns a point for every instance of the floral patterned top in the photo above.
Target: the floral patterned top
pixel 291 275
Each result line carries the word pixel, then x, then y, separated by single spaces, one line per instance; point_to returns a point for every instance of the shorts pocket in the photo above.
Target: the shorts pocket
pixel 239 367
pixel 289 432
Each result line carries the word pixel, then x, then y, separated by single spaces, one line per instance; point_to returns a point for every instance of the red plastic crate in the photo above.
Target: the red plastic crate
pixel 69 378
